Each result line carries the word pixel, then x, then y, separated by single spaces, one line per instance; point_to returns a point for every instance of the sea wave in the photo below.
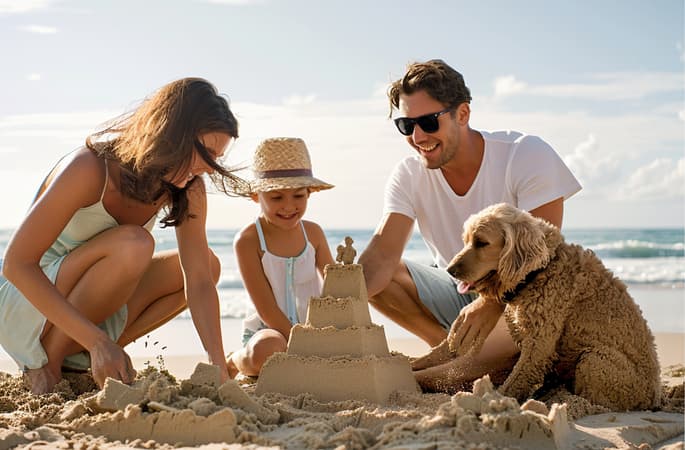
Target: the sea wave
pixel 638 249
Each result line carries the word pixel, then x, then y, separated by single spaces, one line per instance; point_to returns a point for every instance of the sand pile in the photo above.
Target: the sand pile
pixel 338 346
pixel 166 413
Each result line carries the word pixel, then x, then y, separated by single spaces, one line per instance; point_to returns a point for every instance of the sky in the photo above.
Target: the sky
pixel 600 80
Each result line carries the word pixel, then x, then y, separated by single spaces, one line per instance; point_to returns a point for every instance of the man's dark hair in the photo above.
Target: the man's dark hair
pixel 437 78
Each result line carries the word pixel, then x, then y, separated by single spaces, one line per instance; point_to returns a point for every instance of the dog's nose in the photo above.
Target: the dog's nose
pixel 453 269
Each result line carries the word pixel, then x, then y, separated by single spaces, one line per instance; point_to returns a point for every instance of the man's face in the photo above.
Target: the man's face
pixel 437 148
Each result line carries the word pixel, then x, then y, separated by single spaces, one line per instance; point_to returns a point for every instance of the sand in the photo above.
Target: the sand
pixel 195 411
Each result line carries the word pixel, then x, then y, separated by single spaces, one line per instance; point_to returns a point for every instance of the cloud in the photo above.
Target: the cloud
pixel 614 163
pixel 38 29
pixel 67 126
pixel 660 179
pixel 298 100
pixel 33 77
pixel 590 164
pixel 380 90
pixel 603 86
pixel 508 85
pixel 23 6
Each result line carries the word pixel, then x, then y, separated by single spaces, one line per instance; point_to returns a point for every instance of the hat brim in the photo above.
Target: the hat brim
pixel 274 184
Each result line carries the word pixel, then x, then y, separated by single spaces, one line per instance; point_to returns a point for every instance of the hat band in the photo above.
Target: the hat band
pixel 284 173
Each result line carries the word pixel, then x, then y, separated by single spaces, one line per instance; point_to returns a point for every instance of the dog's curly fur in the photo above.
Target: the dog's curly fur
pixel 574 319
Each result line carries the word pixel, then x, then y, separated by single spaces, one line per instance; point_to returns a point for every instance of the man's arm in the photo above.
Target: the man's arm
pixel 552 212
pixel 382 256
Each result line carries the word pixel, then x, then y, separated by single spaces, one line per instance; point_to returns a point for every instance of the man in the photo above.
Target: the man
pixel 456 171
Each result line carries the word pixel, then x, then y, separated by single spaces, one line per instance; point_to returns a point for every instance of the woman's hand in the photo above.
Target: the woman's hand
pixel 107 359
pixel 474 324
pixel 223 368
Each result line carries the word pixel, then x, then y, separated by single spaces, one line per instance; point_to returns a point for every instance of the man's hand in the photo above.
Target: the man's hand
pixel 475 322
pixel 107 359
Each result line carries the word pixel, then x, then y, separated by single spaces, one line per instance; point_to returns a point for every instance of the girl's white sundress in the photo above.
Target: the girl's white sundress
pixel 294 280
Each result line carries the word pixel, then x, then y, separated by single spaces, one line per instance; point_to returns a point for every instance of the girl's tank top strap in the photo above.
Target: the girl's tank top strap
pixel 260 233
pixel 306 239
pixel 104 188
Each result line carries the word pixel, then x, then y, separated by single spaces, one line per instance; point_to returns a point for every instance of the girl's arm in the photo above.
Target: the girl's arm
pixel 200 289
pixel 318 239
pixel 248 256
pixel 74 184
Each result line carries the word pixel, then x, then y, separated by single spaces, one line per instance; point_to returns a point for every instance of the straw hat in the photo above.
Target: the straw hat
pixel 283 163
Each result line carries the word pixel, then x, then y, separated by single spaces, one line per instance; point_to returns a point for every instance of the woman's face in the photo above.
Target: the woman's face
pixel 216 143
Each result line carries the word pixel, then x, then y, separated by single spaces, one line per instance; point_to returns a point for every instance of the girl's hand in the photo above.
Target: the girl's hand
pixel 109 360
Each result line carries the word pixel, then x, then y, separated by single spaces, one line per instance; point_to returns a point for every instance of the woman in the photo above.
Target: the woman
pixel 80 269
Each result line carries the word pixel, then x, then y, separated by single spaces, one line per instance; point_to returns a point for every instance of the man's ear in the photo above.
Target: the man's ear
pixel 463 113
pixel 255 197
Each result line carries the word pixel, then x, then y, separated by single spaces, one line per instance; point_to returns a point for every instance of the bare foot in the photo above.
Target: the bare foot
pixel 42 380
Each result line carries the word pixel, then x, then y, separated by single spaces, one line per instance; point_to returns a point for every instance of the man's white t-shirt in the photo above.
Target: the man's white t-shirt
pixel 521 170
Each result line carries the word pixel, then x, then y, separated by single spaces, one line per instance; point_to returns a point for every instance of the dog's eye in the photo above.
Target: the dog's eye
pixel 479 244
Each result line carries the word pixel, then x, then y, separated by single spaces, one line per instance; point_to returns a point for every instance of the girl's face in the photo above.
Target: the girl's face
pixel 283 208
pixel 216 143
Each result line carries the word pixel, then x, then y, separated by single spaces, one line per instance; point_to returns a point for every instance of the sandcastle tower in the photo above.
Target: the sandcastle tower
pixel 338 354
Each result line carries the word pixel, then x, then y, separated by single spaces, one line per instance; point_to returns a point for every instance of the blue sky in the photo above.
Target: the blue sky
pixel 602 81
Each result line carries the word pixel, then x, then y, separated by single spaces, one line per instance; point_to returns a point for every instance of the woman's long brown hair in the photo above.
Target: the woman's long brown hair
pixel 158 139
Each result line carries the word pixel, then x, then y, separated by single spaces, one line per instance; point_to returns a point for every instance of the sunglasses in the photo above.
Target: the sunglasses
pixel 428 122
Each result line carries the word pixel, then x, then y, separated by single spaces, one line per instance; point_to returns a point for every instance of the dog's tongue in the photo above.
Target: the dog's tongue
pixel 463 287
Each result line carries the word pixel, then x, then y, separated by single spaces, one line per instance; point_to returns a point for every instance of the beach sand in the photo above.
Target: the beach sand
pixel 190 409
pixel 195 412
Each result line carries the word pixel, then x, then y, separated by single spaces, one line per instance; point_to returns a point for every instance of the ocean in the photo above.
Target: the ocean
pixel 650 261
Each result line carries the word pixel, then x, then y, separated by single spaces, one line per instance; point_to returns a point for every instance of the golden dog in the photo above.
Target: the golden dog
pixel 567 313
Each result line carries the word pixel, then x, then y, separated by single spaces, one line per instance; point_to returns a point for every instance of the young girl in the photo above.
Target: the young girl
pixel 280 256
pixel 80 269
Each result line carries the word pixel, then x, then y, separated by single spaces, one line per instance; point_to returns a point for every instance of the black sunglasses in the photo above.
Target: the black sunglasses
pixel 428 122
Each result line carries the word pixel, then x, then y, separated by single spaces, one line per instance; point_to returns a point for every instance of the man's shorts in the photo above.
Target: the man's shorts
pixel 438 292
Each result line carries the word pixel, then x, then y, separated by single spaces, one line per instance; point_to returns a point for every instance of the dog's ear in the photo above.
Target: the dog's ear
pixel 524 250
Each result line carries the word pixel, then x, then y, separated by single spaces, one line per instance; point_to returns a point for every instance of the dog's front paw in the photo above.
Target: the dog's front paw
pixel 520 393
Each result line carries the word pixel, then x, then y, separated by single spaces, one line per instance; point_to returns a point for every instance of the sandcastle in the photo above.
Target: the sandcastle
pixel 338 354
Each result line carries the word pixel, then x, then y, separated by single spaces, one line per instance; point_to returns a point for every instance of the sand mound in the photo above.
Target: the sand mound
pixel 199 411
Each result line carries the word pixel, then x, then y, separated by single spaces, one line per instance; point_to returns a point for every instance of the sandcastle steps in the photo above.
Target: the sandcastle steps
pixel 331 341
pixel 337 378
pixel 340 312
pixel 338 354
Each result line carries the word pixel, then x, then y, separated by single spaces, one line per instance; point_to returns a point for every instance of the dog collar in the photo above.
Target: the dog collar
pixel 509 296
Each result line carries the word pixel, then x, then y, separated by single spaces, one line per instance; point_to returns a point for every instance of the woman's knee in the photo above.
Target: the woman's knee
pixel 134 245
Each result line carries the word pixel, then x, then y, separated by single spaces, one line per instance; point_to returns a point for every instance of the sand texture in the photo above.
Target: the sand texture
pixel 199 414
